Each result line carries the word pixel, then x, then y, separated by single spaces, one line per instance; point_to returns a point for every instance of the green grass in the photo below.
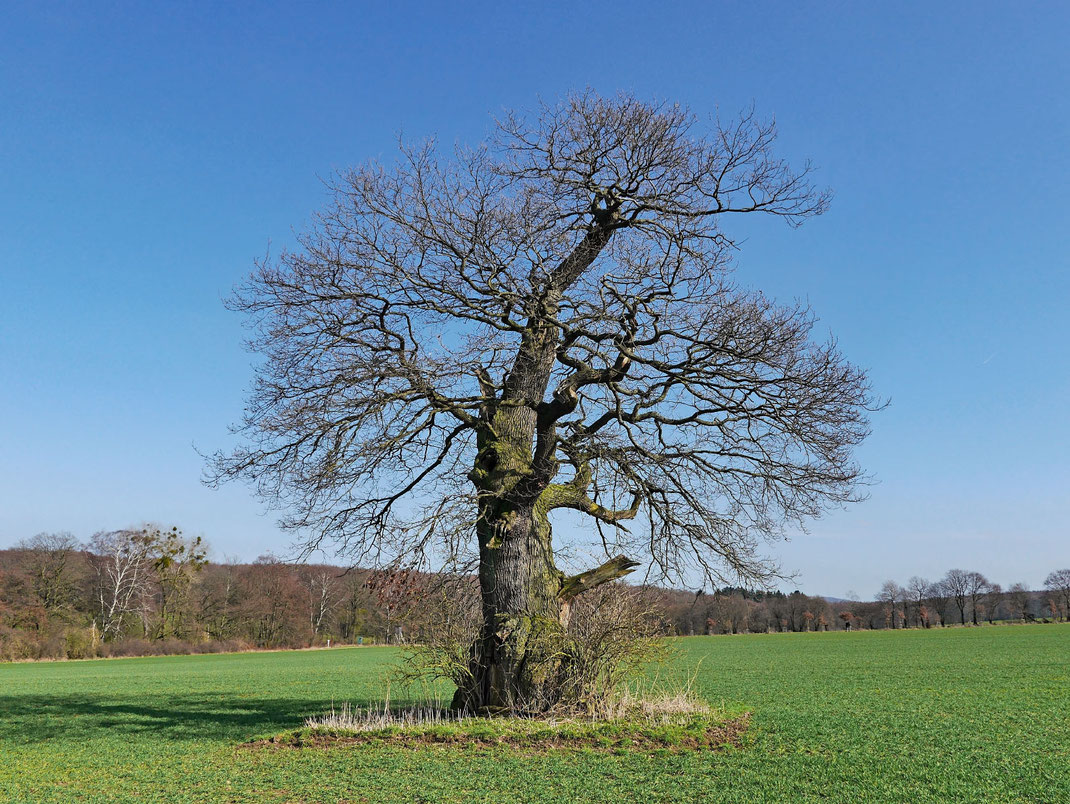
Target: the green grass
pixel 978 714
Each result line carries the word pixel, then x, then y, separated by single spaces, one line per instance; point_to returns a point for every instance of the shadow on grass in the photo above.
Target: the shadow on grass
pixel 204 716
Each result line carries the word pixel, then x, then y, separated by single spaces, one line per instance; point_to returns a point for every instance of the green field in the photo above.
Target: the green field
pixel 974 714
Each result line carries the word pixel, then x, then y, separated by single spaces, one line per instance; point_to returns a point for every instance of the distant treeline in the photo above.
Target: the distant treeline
pixel 152 590
pixel 959 598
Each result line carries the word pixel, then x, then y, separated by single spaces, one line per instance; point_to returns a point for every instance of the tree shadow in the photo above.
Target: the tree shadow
pixel 217 715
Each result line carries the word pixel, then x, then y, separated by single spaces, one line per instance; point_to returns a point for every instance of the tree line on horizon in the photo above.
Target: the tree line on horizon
pixel 152 590
pixel 959 598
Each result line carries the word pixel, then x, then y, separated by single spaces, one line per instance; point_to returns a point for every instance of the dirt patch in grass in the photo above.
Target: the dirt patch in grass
pixel 696 734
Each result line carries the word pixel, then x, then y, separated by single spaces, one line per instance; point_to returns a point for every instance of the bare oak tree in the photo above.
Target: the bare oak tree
pixel 1019 601
pixel 957 584
pixel 463 346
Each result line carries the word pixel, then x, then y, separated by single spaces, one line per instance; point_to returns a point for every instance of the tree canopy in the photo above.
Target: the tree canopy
pixel 462 345
pixel 588 238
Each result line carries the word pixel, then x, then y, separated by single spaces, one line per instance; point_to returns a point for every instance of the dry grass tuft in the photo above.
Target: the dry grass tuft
pixel 381 717
pixel 663 707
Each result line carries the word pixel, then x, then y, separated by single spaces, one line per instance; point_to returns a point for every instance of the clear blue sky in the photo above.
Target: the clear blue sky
pixel 148 153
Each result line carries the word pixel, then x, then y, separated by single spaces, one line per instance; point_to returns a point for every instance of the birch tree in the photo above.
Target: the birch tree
pixel 122 563
pixel 322 587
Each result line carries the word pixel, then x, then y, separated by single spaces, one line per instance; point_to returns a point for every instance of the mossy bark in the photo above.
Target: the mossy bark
pixel 516 661
pixel 517 658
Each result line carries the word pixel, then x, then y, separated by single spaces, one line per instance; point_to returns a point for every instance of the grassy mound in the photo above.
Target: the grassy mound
pixel 691 732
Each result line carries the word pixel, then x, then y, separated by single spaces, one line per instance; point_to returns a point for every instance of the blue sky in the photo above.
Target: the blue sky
pixel 149 153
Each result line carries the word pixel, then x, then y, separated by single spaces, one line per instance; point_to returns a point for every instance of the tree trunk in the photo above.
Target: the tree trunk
pixel 516 661
pixel 520 659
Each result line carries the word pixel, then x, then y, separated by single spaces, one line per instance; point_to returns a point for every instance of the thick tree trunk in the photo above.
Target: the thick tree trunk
pixel 517 660
pixel 520 659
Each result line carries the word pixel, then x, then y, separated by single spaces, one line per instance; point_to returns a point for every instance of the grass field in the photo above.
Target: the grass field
pixel 979 714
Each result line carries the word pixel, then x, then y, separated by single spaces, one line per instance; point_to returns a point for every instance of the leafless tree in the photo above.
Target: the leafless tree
pixel 49 566
pixel 355 609
pixel 323 590
pixel 1018 600
pixel 122 563
pixel 271 603
pixel 993 597
pixel 728 611
pixel 957 584
pixel 941 596
pixel 889 595
pixel 977 587
pixel 916 592
pixel 219 599
pixel 463 346
pixel 1058 583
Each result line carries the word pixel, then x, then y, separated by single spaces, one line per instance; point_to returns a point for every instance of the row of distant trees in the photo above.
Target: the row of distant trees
pixel 959 598
pixel 968 597
pixel 153 590
pixel 735 611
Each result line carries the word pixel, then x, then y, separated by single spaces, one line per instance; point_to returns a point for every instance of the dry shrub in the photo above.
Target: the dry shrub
pixel 449 621
pixel 128 647
pixel 611 635
pixel 15 645
pixel 79 644
pixel 54 644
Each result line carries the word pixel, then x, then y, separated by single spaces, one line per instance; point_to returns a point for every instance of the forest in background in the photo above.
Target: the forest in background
pixel 152 590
